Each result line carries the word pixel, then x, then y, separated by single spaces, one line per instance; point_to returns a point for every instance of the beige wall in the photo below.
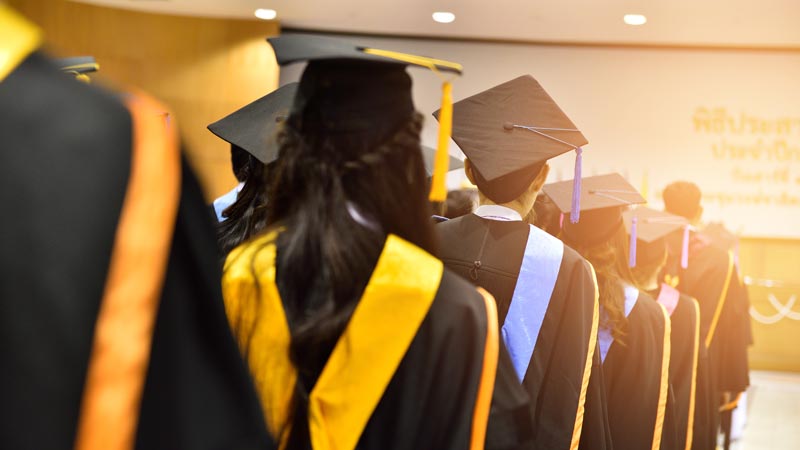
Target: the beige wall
pixel 202 68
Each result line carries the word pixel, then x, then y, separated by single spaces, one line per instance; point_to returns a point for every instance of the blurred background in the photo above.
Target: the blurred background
pixel 704 91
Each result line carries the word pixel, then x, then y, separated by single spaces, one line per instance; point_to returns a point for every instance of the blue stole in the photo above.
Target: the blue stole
pixel 223 202
pixel 537 278
pixel 604 337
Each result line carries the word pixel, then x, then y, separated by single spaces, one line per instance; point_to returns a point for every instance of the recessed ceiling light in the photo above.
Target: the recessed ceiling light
pixel 266 14
pixel 635 19
pixel 444 16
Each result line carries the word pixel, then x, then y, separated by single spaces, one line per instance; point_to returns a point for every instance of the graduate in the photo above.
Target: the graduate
pixel 634 336
pixel 546 292
pixel 355 334
pixel 112 329
pixel 251 131
pixel 708 273
pixel 649 228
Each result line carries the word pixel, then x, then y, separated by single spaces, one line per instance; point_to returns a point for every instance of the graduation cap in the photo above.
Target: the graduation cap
pixel 429 158
pixel 508 132
pixel 648 229
pixel 253 127
pixel 78 66
pixel 350 88
pixel 603 200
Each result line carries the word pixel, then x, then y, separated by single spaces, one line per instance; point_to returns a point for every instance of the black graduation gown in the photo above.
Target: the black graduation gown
pixel 65 162
pixel 428 401
pixel 684 345
pixel 454 329
pixel 706 404
pixel 633 377
pixel 556 369
pixel 712 279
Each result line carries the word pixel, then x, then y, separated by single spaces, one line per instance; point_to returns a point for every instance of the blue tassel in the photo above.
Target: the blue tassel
pixel 575 212
pixel 632 247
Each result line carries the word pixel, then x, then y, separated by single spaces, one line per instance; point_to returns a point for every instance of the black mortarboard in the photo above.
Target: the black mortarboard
pixel 78 66
pixel 429 158
pixel 253 127
pixel 603 200
pixel 648 228
pixel 508 132
pixel 348 88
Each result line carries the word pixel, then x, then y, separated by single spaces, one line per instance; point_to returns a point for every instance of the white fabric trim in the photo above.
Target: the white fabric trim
pixel 604 337
pixel 497 212
pixel 224 201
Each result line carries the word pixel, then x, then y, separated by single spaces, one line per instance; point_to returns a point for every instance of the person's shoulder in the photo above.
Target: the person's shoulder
pixel 572 258
pixel 720 236
pixel 68 106
pixel 458 302
pixel 688 306
pixel 249 258
pixel 574 265
pixel 702 250
pixel 458 292
pixel 647 309
pixel 450 224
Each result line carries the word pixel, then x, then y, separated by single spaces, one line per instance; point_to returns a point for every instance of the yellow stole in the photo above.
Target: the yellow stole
pixel 364 360
pixel 18 39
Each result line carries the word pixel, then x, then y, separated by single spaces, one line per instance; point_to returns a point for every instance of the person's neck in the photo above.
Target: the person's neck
pixel 651 284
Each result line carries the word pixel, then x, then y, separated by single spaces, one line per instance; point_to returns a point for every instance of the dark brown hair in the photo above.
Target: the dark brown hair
pixel 610 261
pixel 335 197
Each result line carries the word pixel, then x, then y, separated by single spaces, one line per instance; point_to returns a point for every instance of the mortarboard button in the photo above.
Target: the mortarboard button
pixel 509 131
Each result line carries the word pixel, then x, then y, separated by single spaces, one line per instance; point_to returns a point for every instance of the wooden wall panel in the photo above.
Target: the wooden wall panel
pixel 202 68
pixel 776 342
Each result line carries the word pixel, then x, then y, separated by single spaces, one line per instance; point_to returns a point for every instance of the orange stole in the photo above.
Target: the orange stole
pixel 123 331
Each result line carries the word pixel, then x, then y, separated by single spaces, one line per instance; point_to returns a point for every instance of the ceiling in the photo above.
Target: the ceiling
pixel 735 23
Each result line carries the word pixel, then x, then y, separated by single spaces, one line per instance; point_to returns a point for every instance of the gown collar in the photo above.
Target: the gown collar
pixel 497 212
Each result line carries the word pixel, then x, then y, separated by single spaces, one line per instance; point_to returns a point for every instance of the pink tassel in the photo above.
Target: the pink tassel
pixel 575 212
pixel 561 221
pixel 632 252
pixel 685 248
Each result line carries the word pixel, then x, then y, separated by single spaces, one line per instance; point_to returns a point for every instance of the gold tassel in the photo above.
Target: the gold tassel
pixel 442 161
pixel 645 187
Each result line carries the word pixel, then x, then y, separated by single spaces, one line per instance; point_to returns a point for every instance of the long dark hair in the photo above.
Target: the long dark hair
pixel 247 216
pixel 610 262
pixel 335 198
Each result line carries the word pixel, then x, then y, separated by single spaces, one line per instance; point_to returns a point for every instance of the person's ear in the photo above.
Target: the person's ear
pixel 468 171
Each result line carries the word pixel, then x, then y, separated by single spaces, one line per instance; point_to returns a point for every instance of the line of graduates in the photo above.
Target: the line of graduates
pixel 343 317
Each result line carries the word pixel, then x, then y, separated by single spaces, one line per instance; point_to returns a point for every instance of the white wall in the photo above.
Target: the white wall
pixel 641 110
